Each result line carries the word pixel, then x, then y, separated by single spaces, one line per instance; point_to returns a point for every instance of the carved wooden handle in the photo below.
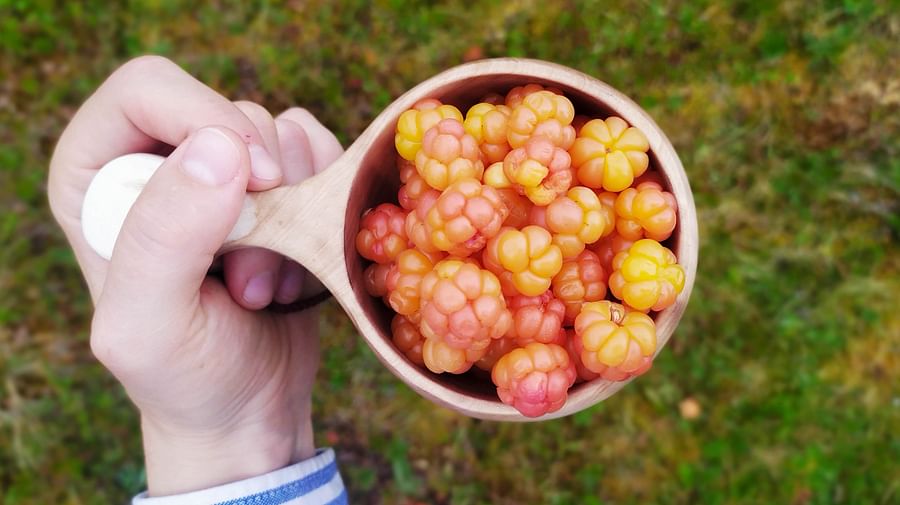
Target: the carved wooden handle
pixel 304 222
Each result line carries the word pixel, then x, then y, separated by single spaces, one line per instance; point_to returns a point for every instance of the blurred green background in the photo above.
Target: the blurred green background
pixel 782 384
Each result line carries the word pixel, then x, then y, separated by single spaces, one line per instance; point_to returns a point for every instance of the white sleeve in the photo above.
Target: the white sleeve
pixel 315 481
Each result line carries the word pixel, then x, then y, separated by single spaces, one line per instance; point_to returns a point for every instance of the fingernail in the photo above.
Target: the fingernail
pixel 262 164
pixel 259 289
pixel 211 158
pixel 291 283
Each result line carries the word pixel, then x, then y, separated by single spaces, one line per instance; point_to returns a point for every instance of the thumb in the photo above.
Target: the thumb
pixel 179 221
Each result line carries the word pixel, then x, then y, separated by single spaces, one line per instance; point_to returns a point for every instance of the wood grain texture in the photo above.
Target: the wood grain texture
pixel 315 222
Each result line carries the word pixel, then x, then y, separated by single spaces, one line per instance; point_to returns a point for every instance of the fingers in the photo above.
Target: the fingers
pixel 325 146
pixel 265 174
pixel 296 151
pixel 169 238
pixel 148 101
pixel 251 275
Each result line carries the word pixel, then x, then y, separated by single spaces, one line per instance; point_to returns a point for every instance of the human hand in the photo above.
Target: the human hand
pixel 222 387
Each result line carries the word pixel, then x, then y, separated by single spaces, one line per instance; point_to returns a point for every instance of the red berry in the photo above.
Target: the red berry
pixel 535 318
pixel 581 279
pixel 534 379
pixel 382 233
pixel 407 338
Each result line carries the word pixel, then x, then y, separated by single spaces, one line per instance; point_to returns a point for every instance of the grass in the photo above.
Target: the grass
pixel 786 116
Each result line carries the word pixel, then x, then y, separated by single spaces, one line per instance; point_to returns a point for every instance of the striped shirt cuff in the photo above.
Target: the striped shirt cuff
pixel 315 481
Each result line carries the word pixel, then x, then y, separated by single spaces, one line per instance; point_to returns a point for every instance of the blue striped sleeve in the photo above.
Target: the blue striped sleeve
pixel 315 481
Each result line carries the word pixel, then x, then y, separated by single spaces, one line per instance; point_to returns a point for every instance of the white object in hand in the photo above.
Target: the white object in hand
pixel 114 190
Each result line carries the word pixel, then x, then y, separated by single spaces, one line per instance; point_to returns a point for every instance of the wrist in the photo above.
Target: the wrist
pixel 180 461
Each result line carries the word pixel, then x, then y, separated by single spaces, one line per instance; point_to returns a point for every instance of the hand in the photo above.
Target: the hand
pixel 223 388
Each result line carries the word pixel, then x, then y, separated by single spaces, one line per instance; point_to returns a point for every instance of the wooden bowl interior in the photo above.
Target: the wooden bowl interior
pixel 377 181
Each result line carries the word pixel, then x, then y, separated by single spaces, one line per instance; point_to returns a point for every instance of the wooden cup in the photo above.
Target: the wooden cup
pixel 315 223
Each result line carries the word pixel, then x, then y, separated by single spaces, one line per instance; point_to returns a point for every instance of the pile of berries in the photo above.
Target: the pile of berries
pixel 526 243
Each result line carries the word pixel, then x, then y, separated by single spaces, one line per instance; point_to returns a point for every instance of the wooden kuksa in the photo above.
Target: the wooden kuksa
pixel 315 222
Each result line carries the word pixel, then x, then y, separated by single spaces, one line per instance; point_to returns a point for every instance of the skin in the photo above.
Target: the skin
pixel 223 387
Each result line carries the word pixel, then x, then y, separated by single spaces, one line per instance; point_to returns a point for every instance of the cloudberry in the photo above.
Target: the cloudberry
pixel 404 279
pixel 646 276
pixel 462 307
pixel 608 247
pixel 646 211
pixel 576 218
pixel 581 279
pixel 573 346
pixel 382 233
pixel 415 223
pixel 516 95
pixel 407 338
pixel 448 154
pixel 413 124
pixel 528 255
pixel 534 379
pixel 535 318
pixel 496 349
pixel 413 187
pixel 375 278
pixel 542 114
pixel 465 216
pixel 518 207
pixel 609 154
pixel 487 124
pixel 539 170
pixel 614 343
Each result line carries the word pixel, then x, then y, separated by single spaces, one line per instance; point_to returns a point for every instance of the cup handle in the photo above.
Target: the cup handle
pixel 304 222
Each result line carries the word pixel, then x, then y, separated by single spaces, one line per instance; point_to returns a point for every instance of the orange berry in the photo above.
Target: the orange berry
pixel 646 211
pixel 646 276
pixel 573 346
pixel 375 278
pixel 539 170
pixel 609 154
pixel 528 255
pixel 614 343
pixel 415 223
pixel 440 357
pixel 487 124
pixel 404 279
pixel 607 247
pixel 581 279
pixel 462 309
pixel 413 187
pixel 516 95
pixel 543 114
pixel 465 216
pixel 413 124
pixel 576 218
pixel 534 379
pixel 382 233
pixel 448 154
pixel 407 338
pixel 518 207
pixel 535 318
pixel 496 349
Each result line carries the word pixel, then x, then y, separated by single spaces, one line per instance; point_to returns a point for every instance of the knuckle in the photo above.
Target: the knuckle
pixel 143 66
